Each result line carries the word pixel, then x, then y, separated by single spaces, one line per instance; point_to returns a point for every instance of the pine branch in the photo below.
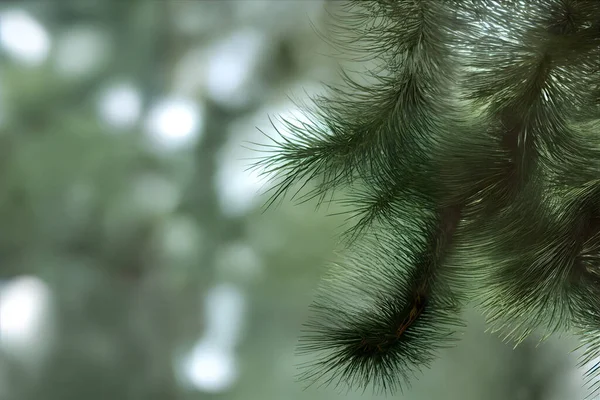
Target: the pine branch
pixel 471 156
pixel 531 90
pixel 401 311
pixel 384 128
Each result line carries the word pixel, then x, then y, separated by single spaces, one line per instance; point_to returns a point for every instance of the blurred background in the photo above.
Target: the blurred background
pixel 135 261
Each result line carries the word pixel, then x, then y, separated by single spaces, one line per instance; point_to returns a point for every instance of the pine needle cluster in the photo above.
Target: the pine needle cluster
pixel 469 162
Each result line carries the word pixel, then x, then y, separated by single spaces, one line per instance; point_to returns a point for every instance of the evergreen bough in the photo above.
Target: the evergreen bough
pixel 468 156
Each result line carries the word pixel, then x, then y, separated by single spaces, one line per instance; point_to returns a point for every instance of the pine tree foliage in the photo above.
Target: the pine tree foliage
pixel 469 160
pixel 372 327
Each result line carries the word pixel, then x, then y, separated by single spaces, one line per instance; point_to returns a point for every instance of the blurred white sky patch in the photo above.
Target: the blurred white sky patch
pixel 211 364
pixel 290 115
pixel 23 37
pixel 209 368
pixel 225 306
pixel 25 318
pixel 238 188
pixel 120 105
pixel 232 67
pixel 579 380
pixel 227 71
pixel 289 110
pixel 174 123
pixel 81 51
